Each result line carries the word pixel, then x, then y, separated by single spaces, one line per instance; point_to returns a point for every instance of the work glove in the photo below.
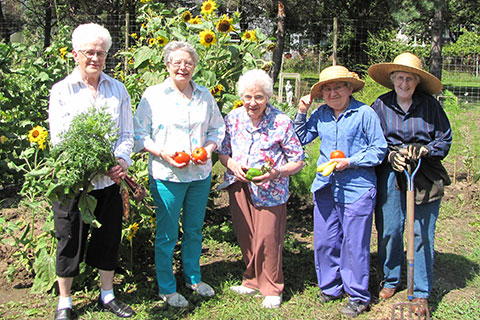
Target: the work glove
pixel 416 151
pixel 397 160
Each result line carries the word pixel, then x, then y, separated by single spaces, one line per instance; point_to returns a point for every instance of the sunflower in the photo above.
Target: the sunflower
pixel 3 139
pixel 151 42
pixel 217 89
pixel 225 24
pixel 63 52
pixel 161 41
pixel 196 20
pixel 207 37
pixel 249 35
pixel 208 7
pixel 38 135
pixel 132 230
pixel 186 16
pixel 271 47
pixel 134 35
pixel 237 104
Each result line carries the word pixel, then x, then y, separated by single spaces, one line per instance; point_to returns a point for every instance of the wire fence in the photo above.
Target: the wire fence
pixel 308 55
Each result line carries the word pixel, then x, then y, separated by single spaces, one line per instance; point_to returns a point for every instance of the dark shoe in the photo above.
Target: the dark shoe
pixel 117 307
pixel 353 309
pixel 421 308
pixel 64 314
pixel 324 298
pixel 387 293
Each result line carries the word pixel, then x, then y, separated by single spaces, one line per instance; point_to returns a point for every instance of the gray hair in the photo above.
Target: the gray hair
pixel 88 32
pixel 394 74
pixel 255 77
pixel 179 45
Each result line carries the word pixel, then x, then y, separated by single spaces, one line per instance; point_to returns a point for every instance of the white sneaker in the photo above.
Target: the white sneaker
pixel 202 289
pixel 175 300
pixel 272 302
pixel 243 290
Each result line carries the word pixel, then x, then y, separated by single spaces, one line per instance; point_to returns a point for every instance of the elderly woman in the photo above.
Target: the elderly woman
pixel 415 126
pixel 175 116
pixel 87 85
pixel 344 200
pixel 259 135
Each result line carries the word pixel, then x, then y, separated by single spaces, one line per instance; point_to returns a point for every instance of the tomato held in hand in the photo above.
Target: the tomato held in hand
pixel 200 154
pixel 181 157
pixel 337 154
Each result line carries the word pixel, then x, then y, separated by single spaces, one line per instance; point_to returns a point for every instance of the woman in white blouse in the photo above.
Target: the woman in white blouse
pixel 175 116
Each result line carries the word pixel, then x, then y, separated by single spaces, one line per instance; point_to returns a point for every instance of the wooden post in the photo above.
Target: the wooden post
pixel 335 37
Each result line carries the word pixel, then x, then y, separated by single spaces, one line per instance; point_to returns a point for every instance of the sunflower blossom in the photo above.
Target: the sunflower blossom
pixel 208 7
pixel 217 89
pixel 132 230
pixel 237 104
pixel 63 52
pixel 196 20
pixel 186 16
pixel 249 35
pixel 151 42
pixel 207 38
pixel 161 41
pixel 225 24
pixel 38 135
pixel 3 139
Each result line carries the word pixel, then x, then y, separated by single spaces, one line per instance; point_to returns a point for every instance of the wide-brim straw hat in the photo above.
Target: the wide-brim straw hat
pixel 405 62
pixel 334 74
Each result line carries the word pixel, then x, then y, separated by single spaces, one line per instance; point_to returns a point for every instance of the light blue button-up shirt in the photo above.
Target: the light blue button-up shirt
pixel 174 124
pixel 356 132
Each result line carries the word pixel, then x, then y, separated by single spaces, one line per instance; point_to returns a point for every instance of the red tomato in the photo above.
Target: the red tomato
pixel 181 157
pixel 200 154
pixel 337 154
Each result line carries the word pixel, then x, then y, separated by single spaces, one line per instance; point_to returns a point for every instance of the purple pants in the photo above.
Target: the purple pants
pixel 342 244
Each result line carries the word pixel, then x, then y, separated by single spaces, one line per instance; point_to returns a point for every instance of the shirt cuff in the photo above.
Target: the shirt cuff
pixel 301 116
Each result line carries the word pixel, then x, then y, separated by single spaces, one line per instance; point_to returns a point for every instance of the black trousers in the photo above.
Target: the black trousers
pixel 72 233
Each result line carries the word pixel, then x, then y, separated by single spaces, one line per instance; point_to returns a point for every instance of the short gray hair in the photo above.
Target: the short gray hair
pixel 179 45
pixel 393 75
pixel 255 77
pixel 88 32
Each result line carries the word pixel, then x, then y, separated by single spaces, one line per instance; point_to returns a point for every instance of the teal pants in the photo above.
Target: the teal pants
pixel 170 198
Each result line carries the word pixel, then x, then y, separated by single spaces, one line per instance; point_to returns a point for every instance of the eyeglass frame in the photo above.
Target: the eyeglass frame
pixel 100 54
pixel 256 98
pixel 335 88
pixel 187 63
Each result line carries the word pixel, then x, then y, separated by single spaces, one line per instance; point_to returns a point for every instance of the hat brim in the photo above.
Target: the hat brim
pixel 316 90
pixel 380 73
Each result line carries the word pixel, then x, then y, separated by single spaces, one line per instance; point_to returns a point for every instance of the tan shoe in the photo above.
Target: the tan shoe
pixel 421 309
pixel 387 293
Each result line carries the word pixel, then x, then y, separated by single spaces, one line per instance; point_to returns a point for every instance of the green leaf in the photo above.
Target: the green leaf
pixel 39 172
pixel 142 55
pixel 86 205
pixel 45 275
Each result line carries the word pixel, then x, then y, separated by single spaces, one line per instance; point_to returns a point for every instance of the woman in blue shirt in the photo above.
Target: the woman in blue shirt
pixel 344 200
pixel 415 126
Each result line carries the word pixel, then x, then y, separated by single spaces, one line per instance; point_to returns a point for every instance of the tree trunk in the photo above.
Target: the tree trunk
pixel 437 42
pixel 4 33
pixel 48 24
pixel 280 35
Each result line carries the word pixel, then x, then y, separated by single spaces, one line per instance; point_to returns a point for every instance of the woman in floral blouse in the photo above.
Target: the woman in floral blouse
pixel 262 137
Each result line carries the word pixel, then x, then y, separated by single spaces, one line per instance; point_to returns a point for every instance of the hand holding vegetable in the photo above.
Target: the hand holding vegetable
pixel 340 163
pixel 258 175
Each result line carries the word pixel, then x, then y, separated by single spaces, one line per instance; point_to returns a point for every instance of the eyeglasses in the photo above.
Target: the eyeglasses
pixel 258 99
pixel 92 53
pixel 327 90
pixel 178 63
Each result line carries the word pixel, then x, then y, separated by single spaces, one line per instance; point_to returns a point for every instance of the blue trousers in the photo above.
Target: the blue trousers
pixel 390 215
pixel 170 198
pixel 342 234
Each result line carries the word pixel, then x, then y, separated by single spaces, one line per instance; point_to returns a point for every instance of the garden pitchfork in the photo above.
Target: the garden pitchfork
pixel 401 309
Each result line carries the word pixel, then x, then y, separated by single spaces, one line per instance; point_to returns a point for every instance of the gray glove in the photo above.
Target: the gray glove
pixel 397 160
pixel 416 151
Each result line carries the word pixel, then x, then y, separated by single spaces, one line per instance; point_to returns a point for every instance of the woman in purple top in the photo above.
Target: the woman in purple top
pixel 259 136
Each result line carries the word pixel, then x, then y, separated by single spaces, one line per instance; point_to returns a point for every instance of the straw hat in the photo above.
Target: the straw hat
pixel 406 62
pixel 334 74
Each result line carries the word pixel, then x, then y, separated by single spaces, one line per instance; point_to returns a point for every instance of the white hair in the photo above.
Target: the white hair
pixel 88 32
pixel 258 78
pixel 179 45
